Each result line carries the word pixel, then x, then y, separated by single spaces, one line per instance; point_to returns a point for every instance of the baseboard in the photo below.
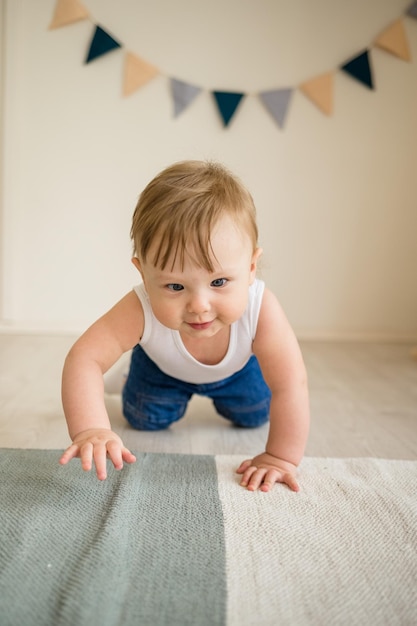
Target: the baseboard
pixel 406 338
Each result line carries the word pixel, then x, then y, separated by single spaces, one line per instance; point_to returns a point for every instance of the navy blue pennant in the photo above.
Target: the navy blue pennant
pixel 101 43
pixel 227 102
pixel 360 68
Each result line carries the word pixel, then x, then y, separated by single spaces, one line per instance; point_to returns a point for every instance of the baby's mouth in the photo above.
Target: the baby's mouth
pixel 200 326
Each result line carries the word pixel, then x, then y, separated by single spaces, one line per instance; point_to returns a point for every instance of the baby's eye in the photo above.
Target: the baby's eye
pixel 175 287
pixel 219 282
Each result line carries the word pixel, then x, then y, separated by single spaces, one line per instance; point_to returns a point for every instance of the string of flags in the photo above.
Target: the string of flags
pixel 318 89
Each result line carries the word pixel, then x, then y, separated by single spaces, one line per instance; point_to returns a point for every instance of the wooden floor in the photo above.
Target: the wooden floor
pixel 363 403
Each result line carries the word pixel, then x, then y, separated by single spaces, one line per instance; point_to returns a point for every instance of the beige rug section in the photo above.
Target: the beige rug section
pixel 341 551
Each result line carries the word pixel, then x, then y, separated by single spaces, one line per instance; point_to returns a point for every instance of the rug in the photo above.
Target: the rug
pixel 174 539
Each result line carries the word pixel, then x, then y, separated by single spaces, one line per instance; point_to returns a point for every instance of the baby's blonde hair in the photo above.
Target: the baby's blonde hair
pixel 180 207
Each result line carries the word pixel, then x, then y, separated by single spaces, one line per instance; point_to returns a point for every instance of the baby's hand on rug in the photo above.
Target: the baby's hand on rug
pixel 265 470
pixel 97 444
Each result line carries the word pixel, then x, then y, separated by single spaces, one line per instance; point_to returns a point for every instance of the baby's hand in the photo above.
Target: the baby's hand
pixel 98 444
pixel 265 470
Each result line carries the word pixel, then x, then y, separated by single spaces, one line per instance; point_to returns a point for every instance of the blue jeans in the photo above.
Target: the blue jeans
pixel 153 400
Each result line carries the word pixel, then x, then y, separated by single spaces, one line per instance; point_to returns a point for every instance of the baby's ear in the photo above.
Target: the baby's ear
pixel 254 263
pixel 136 263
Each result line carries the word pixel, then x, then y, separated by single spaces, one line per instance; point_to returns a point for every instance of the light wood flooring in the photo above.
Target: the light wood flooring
pixel 363 403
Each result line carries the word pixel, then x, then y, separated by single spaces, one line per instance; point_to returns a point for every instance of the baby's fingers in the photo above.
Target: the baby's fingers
pixel 98 452
pixel 244 466
pixel 69 454
pixel 265 478
pixel 115 453
pixel 119 454
pixel 271 477
pixel 127 456
pixel 289 479
pixel 252 477
pixel 100 461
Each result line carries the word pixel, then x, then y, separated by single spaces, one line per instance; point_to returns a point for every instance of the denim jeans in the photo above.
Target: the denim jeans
pixel 153 400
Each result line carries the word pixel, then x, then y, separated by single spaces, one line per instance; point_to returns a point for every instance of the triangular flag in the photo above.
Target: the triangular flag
pixel 137 73
pixel 227 103
pixel 394 40
pixel 360 68
pixel 101 44
pixel 183 94
pixel 277 102
pixel 412 10
pixel 67 12
pixel 320 91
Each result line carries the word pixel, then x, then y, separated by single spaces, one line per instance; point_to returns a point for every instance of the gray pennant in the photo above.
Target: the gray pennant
pixel 277 102
pixel 183 94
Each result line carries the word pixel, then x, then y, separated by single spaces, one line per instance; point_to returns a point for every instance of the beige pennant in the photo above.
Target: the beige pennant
pixel 320 91
pixel 394 40
pixel 137 72
pixel 66 12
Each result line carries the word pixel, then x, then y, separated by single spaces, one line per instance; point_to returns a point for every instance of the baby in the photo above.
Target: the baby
pixel 199 322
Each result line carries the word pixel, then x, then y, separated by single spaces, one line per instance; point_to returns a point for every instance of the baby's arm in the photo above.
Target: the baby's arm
pixel 83 388
pixel 283 368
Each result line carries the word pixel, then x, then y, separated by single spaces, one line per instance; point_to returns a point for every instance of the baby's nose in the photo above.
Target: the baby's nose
pixel 199 303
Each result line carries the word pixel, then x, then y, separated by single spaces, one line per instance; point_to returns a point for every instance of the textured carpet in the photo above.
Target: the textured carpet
pixel 174 540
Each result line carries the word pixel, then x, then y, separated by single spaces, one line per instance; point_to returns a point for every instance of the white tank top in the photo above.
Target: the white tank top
pixel 166 349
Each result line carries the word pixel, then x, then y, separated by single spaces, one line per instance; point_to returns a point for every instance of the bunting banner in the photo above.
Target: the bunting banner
pixel 277 102
pixel 66 12
pixel 394 40
pixel 101 43
pixel 227 103
pixel 360 68
pixel 182 94
pixel 137 73
pixel 318 89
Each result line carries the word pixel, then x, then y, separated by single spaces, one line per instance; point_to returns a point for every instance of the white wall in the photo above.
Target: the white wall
pixel 336 197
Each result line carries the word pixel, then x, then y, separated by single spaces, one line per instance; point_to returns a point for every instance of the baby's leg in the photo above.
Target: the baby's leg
pixel 152 400
pixel 245 397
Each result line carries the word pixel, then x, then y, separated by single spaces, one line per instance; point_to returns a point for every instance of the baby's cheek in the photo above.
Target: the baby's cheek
pixel 166 315
pixel 235 311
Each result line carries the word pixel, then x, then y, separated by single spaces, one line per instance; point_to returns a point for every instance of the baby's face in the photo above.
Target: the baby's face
pixel 195 301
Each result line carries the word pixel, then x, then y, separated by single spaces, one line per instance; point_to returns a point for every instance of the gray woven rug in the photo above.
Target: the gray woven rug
pixel 174 540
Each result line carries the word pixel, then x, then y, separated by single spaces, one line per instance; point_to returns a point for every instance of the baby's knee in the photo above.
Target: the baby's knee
pixel 246 417
pixel 152 413
pixel 244 421
pixel 144 424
